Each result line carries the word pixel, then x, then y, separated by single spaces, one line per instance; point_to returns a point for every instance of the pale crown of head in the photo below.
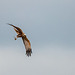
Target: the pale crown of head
pixel 24 34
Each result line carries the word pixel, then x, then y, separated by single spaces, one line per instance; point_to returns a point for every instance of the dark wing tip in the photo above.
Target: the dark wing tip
pixel 20 31
pixel 28 52
pixel 10 24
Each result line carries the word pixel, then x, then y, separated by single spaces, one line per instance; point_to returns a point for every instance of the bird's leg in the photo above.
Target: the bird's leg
pixel 15 38
pixel 18 36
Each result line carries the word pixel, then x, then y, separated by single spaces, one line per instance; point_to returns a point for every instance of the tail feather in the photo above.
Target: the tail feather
pixel 28 52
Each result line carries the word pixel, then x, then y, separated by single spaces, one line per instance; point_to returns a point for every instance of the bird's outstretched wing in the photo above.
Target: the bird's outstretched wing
pixel 27 46
pixel 17 29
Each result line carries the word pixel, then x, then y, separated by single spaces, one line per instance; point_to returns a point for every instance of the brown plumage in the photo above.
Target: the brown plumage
pixel 24 38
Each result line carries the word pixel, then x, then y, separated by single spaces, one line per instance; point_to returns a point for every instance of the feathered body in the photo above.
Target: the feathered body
pixel 24 38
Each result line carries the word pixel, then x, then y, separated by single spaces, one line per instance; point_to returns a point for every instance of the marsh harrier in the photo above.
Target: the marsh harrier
pixel 24 38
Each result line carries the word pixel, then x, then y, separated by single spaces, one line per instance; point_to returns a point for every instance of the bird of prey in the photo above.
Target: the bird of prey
pixel 24 38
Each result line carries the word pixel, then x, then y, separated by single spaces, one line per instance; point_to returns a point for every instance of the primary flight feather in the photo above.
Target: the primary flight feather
pixel 24 38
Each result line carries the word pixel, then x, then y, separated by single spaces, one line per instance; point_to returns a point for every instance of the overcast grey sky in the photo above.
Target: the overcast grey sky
pixel 49 25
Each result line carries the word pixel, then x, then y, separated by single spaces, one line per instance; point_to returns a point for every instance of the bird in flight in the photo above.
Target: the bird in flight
pixel 26 42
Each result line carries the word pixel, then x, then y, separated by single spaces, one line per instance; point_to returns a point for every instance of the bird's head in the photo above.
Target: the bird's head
pixel 24 35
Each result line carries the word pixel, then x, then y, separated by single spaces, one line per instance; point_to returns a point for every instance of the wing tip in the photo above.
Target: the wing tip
pixel 28 52
pixel 9 24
